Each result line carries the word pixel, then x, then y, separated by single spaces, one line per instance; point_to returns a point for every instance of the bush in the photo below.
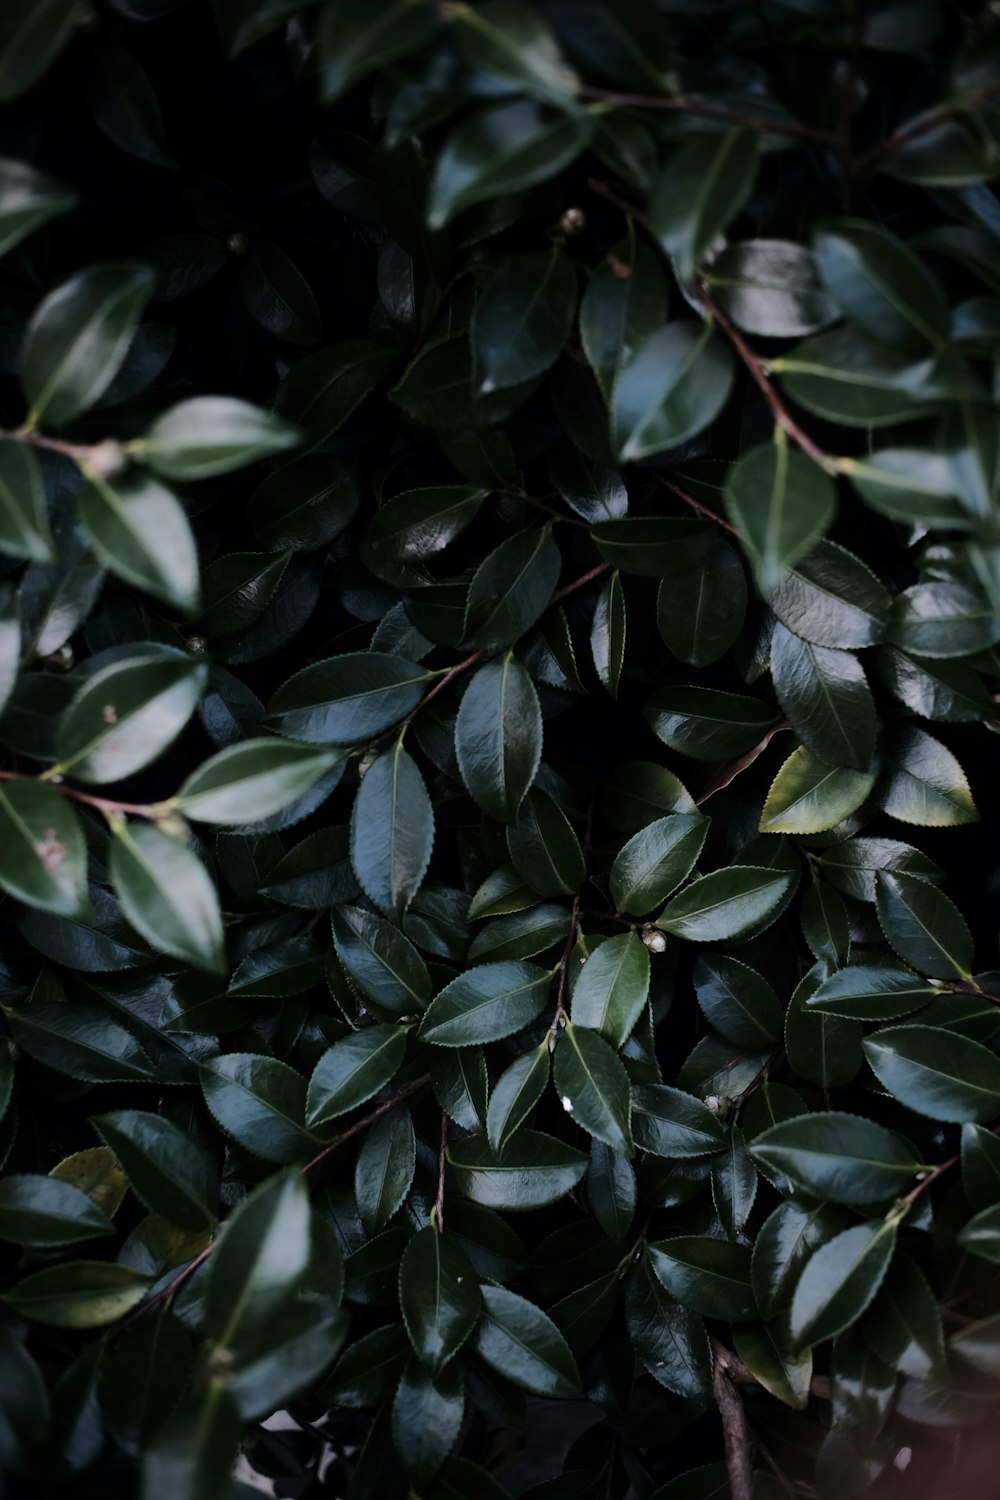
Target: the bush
pixel 498 623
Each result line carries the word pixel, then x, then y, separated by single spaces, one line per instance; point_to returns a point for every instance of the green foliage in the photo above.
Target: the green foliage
pixel 499 628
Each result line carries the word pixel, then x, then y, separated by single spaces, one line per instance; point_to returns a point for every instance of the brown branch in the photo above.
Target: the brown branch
pixel 103 804
pixel 705 109
pixel 560 1010
pixel 759 375
pixel 171 1287
pixel 442 1164
pixel 922 126
pixel 369 1119
pixel 735 768
pixel 579 583
pixel 703 510
pixel 79 452
pixel 734 1423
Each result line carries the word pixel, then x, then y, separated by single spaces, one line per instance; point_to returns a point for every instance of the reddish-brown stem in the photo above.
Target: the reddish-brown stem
pixel 705 109
pixel 442 1163
pixel 184 1274
pixel 560 1010
pixel 78 452
pixel 759 375
pixel 443 682
pixel 703 510
pixel 368 1119
pixel 103 804
pixel 578 583
pixel 734 768
pixel 921 126
pixel 734 1423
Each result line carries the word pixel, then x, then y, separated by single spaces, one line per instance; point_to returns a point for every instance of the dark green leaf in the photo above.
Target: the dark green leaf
pixel 708 1276
pixel 809 795
pixel 427 1417
pixel 781 503
pixel 832 599
pixel 170 1173
pixel 670 1340
pixel 725 904
pixel 707 724
pixel 699 613
pixel 737 1001
pixel 608 632
pixel 881 284
pixel 498 737
pixel 252 780
pixel 523 319
pixel 392 831
pixel 45 1213
pixel 193 1455
pixel 651 546
pixel 168 895
pixel 923 783
pixel 671 1123
pixel 826 697
pixel 43 857
pixel 734 1184
pixel 261 1103
pixel 655 861
pixel 352 1070
pixel 936 1073
pixel 763 1348
pixel 674 386
pixel 903 1324
pixel 141 533
pixel 515 1094
pixel 871 992
pixel 841 1158
pixel 357 38
pixel 517 1339
pixel 381 961
pixel 24 523
pixel 770 287
pixel 261 1256
pixel 512 43
pixel 701 190
pixel 535 1169
pixel 438 1295
pixel 611 992
pixel 980 1165
pixel 28 198
pixel 544 848
pixel 77 1294
pixel 786 1241
pixel 625 302
pixel 511 588
pixel 486 1003
pixel 840 1280
pixel 347 699
pixel 79 337
pixel 383 1170
pixel 212 435
pixel 593 1086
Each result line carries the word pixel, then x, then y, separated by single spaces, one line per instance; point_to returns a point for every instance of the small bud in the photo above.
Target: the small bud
pixel 238 243
pixel 174 826
pixel 61 660
pixel 573 221
pixel 718 1104
pixel 106 459
pixel 366 762
pixel 654 940
pixel 196 645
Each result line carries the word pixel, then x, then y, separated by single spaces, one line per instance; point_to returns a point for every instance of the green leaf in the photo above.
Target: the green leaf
pixel 852 866
pixel 392 831
pixel 28 197
pixel 651 546
pixel 141 1376
pixel 846 379
pixel 923 783
pixel 699 613
pixel 461 1084
pixel 127 714
pixel 637 791
pixel 288 967
pixel 941 619
pixel 503 149
pixel 535 1170
pixel 383 1170
pixel 171 1173
pixel 840 1157
pixel 871 992
pixel 347 699
pixel 192 1456
pixel 238 587
pixel 168 895
pixel 544 847
pixel 352 1070
pixel 519 1341
pixel 427 1417
pixel 522 934
pixel 781 503
pixel 486 1003
pixel 825 695
pixel 926 929
pixel 674 386
pixel 763 1348
pixel 32 37
pixel 125 104
pixel 908 484
pixel 523 319
pixel 655 861
pixel 251 780
pixel 593 1086
pixel 947 690
pixel 212 435
pixel 79 1041
pixel 671 1123
pixel 77 1294
pixel 825 924
pixel 708 1276
pixel 786 1241
pixel 512 43
pixel 45 1213
pixel 735 1000
pixel 79 337
pixel 823 1049
pixel 670 1340
pixel 702 188
pixel 881 284
pixel 981 1234
pixel 24 522
pixel 809 795
pixel 260 1258
pixel 608 632
pixel 734 1184
pixel 625 302
pixel 515 1094
pixel 498 737
pixel 980 1166
pixel 141 533
pixel 840 1280
pixel 770 287
pixel 832 599
pixel 511 589
pixel 43 857
pixel 903 1325
pixel 610 993
pixel 936 1073
pixel 260 1102
pixel 356 39
pixel 707 724
pixel 381 961
pixel 420 523
pixel 725 904
pixel 438 1295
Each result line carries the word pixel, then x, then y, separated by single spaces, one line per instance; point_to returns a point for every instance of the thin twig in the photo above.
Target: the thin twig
pixel 79 452
pixel 922 126
pixel 703 510
pixel 171 1287
pixel 579 583
pixel 442 1163
pixel 706 109
pixel 755 368
pixel 103 804
pixel 734 1424
pixel 560 1011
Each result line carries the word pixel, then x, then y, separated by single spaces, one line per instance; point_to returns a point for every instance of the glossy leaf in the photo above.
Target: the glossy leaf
pixel 675 384
pixel 392 831
pixel 781 504
pixel 535 1169
pixel 926 928
pixel 841 1158
pixel 141 533
pixel 347 699
pixel 703 187
pixel 593 1086
pixel 725 904
pixel 43 857
pixel 211 435
pixel 840 1280
pixel 251 780
pixel 498 737
pixel 520 1341
pixel 826 697
pixel 942 1075
pixel 486 1003
pixel 655 861
pixel 809 795
pixel 352 1070
pixel 611 992
pixel 439 1297
pixel 171 1174
pixel 168 896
